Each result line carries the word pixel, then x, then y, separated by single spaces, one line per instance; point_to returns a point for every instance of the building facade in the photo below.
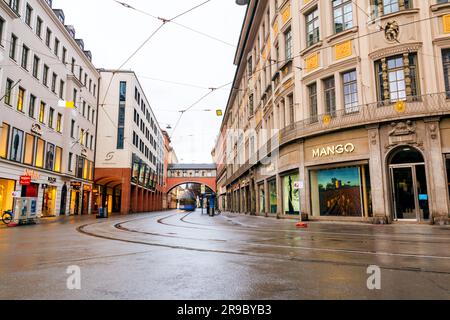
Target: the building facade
pixel 130 156
pixel 340 110
pixel 48 110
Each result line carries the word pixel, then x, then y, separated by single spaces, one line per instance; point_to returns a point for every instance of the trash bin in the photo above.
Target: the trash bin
pixel 102 213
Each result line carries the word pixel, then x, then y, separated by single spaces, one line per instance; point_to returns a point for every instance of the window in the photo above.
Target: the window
pixel 29 150
pixel 312 90
pixel 288 43
pixel 121 120
pixel 75 97
pixel 64 55
pixel 312 27
pixel 40 149
pixel 32 106
pixel 350 91
pixel 16 145
pixel 446 65
pixel 50 157
pixel 13 47
pixel 291 109
pixel 36 61
pixel 39 27
pixel 84 109
pixel 56 50
pixel 14 4
pixel 51 115
pixel 70 161
pixel 59 122
pixel 2 30
pixel 54 78
pixel 4 140
pixel 25 53
pixel 8 91
pixel 82 137
pixel 58 158
pixel 330 96
pixel 402 74
pixel 28 13
pixel 42 112
pixel 48 37
pixel 72 129
pixel 342 15
pixel 20 98
pixel 61 89
pixel 45 76
pixel 73 66
pixel 250 105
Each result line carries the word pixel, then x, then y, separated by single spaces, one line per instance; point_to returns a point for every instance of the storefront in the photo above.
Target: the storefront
pixel 86 199
pixel 75 194
pixel 273 198
pixel 291 194
pixel 49 201
pixel 340 191
pixel 7 188
pixel 262 198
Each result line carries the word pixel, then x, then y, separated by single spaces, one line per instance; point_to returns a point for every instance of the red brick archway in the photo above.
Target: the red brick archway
pixel 175 182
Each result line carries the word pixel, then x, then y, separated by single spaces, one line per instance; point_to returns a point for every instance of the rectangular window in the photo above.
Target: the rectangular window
pixel 58 159
pixel 50 157
pixel 2 30
pixel 51 115
pixel 28 14
pixel 75 97
pixel 36 61
pixel 8 91
pixel 61 89
pixel 446 66
pixel 20 99
pixel 330 186
pixel 59 122
pixel 64 55
pixel 31 106
pixel 39 27
pixel 70 161
pixel 29 149
pixel 56 49
pixel 291 195
pixel 42 112
pixel 291 109
pixel 350 92
pixel 342 15
pixel 48 37
pixel 54 79
pixel 45 76
pixel 40 150
pixel 72 129
pixel 312 90
pixel 312 27
pixel 121 120
pixel 4 140
pixel 330 96
pixel 13 47
pixel 25 54
pixel 16 145
pixel 288 43
pixel 73 66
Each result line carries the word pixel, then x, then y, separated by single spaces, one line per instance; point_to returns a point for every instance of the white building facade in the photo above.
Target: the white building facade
pixel 43 64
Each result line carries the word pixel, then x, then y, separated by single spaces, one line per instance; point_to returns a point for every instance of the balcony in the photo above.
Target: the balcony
pixel 416 107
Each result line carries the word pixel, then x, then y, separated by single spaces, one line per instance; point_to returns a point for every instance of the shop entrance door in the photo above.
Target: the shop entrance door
pixel 409 185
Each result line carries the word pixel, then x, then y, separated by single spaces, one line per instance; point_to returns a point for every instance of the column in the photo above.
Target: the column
pixel 302 177
pixel 437 184
pixel 267 197
pixel 279 197
pixel 381 213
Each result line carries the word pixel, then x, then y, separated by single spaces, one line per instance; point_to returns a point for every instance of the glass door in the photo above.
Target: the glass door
pixel 404 194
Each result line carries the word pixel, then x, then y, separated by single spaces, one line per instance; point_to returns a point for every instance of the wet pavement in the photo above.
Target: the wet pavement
pixel 179 255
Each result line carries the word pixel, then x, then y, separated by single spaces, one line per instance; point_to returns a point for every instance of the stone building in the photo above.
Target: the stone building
pixel 340 110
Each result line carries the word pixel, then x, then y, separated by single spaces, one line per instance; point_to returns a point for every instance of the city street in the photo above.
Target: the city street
pixel 181 255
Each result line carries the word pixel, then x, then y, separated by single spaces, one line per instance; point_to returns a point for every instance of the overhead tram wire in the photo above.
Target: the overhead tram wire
pixel 178 24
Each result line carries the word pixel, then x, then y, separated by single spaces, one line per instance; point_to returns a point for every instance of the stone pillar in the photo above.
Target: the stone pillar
pixel 304 207
pixel 437 179
pixel 267 197
pixel 280 211
pixel 377 168
pixel 125 201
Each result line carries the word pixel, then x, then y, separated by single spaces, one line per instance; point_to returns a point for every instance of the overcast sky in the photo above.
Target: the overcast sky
pixel 113 32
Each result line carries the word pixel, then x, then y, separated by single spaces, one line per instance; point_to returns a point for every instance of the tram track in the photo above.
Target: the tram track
pixel 162 219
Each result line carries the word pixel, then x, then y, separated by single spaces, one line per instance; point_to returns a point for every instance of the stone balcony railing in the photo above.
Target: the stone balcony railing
pixel 415 107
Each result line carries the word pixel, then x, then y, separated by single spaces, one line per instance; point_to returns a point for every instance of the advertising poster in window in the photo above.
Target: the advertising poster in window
pixel 50 156
pixel 141 174
pixel 340 192
pixel 135 172
pixel 291 195
pixel 147 176
pixel 16 145
pixel 273 196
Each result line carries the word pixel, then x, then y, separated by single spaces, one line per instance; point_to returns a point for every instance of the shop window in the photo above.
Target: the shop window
pixel 447 162
pixel 273 196
pixel 16 145
pixel 4 140
pixel 341 192
pixel 29 149
pixel 262 199
pixel 7 187
pixel 50 157
pixel 58 158
pixel 40 149
pixel 30 191
pixel 291 196
pixel 85 169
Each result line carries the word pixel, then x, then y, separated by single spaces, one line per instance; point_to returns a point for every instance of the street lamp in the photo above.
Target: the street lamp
pixel 242 2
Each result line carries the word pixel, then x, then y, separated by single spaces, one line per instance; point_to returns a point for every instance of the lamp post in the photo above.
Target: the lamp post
pixel 242 2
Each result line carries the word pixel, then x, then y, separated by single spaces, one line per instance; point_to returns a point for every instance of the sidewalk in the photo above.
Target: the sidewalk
pixel 49 220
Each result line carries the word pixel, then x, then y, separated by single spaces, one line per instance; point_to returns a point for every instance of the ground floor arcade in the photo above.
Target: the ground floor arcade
pixel 378 173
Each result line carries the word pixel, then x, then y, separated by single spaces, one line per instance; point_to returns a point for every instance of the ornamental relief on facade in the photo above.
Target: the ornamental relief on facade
pixel 401 133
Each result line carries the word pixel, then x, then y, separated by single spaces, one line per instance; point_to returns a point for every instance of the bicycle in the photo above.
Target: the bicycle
pixel 7 217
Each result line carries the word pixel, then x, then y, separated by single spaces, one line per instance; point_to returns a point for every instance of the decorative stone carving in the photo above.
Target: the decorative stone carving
pixel 403 133
pixel 392 31
pixel 433 131
pixel 373 138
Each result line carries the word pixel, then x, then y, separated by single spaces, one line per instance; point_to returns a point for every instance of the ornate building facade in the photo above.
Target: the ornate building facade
pixel 340 110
